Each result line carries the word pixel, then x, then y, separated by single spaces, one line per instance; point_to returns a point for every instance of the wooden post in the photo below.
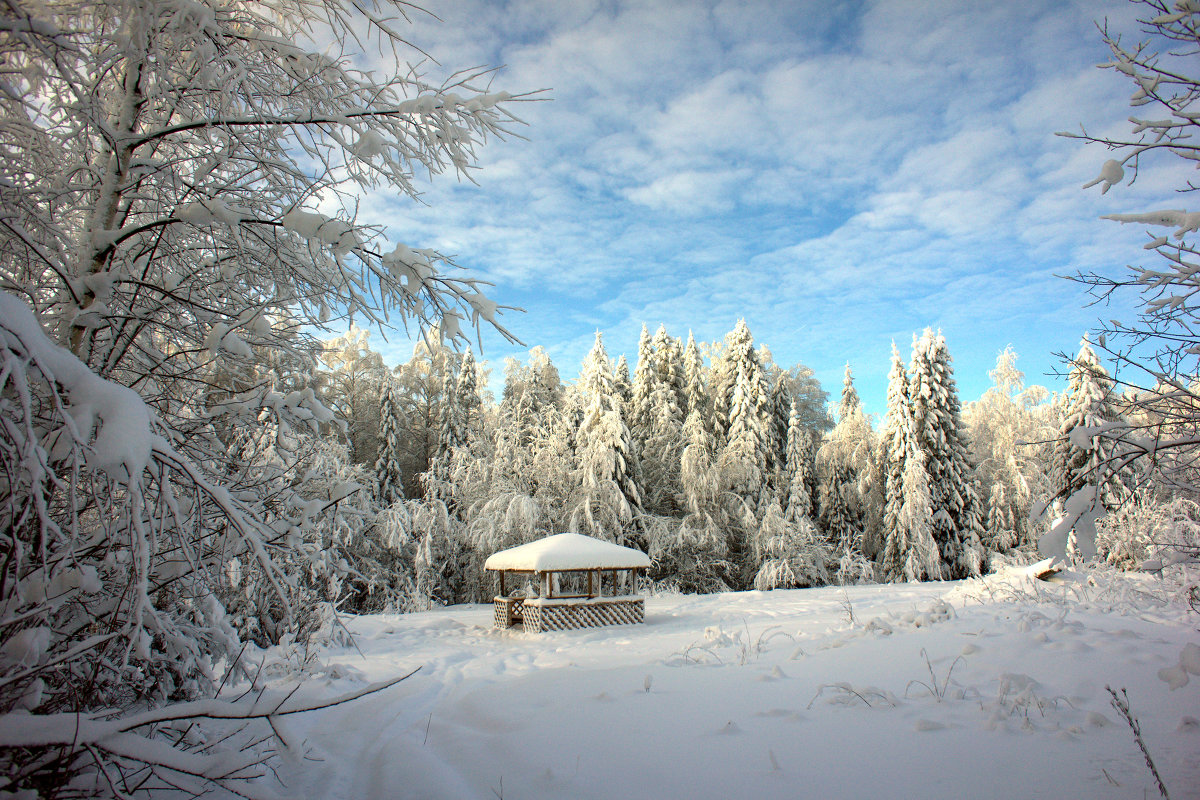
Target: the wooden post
pixel 591 591
pixel 502 592
pixel 547 584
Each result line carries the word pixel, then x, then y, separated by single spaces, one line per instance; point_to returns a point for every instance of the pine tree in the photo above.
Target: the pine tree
pixel 922 558
pixel 668 363
pixel 850 403
pixel 895 442
pixel 941 436
pixel 842 458
pixel 800 467
pixel 645 376
pixel 467 398
pixel 695 393
pixel 781 418
pixel 1081 457
pixel 623 383
pixel 609 498
pixel 389 479
pixel 695 559
pixel 743 465
pixel 661 451
pixel 738 356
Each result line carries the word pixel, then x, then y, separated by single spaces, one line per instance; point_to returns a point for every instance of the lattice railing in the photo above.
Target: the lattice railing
pixel 568 616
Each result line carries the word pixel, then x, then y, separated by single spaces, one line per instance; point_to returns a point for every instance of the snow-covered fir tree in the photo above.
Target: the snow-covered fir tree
pixel 661 450
pixel 1082 457
pixel 623 382
pixel 466 393
pixel 695 391
pixel 668 363
pixel 645 377
pixel 389 475
pixel 896 440
pixel 842 461
pixel 693 555
pixel 735 356
pixel 800 467
pixel 608 497
pixel 940 434
pixel 915 545
pixel 781 417
pixel 743 462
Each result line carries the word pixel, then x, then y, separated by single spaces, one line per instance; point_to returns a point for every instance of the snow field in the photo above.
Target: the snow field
pixel 992 688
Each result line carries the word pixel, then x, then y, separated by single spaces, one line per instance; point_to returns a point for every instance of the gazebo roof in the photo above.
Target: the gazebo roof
pixel 566 551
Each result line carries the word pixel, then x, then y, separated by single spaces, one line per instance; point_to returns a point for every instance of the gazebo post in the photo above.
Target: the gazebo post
pixel 591 590
pixel 502 592
pixel 547 585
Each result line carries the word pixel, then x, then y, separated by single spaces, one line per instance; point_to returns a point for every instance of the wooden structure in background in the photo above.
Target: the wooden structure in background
pixel 566 577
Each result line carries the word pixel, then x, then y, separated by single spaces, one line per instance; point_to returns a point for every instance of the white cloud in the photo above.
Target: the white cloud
pixel 839 176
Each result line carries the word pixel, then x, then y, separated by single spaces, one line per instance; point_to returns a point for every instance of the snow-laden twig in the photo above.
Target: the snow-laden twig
pixel 1120 701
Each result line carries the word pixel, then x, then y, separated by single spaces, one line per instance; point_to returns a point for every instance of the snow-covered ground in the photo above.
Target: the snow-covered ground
pixel 982 689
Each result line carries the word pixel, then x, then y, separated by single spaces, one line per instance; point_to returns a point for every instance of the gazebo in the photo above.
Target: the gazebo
pixel 565 577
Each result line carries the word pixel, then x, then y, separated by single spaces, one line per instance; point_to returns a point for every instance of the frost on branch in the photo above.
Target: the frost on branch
pixel 1156 354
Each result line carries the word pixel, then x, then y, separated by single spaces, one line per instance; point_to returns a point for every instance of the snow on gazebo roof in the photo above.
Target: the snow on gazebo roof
pixel 564 551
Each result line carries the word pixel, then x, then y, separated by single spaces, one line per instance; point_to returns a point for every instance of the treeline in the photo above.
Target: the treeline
pixel 726 468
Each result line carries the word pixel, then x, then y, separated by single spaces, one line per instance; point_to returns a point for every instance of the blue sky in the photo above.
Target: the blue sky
pixel 841 175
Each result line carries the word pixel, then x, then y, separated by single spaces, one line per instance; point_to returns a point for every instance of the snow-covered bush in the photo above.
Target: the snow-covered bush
pixel 117 549
pixel 1148 532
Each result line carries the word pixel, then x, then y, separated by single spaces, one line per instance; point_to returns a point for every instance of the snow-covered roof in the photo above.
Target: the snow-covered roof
pixel 564 551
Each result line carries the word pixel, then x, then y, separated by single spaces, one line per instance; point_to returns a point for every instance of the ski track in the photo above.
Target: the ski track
pixel 757 694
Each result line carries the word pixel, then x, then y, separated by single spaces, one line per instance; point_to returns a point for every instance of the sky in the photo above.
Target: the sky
pixel 839 174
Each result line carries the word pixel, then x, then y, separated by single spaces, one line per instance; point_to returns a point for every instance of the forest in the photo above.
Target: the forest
pixel 729 470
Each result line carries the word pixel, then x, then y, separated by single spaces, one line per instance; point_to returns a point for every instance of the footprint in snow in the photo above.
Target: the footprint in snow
pixel 924 725
pixel 731 727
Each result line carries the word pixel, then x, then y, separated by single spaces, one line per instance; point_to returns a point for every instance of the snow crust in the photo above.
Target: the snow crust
pixel 990 689
pixel 567 551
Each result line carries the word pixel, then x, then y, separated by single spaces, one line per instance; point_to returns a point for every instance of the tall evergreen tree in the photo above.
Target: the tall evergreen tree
pixel 466 392
pixel 661 450
pixel 668 362
pixel 645 375
pixel 623 383
pixel 1081 456
pixel 743 465
pixel 694 555
pixel 895 442
pixel 781 417
pixel 695 393
pixel 737 357
pixel 389 478
pixel 842 458
pixel 850 403
pixel 800 467
pixel 941 436
pixel 609 498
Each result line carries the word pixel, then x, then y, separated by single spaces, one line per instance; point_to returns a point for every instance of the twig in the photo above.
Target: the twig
pixel 1121 704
